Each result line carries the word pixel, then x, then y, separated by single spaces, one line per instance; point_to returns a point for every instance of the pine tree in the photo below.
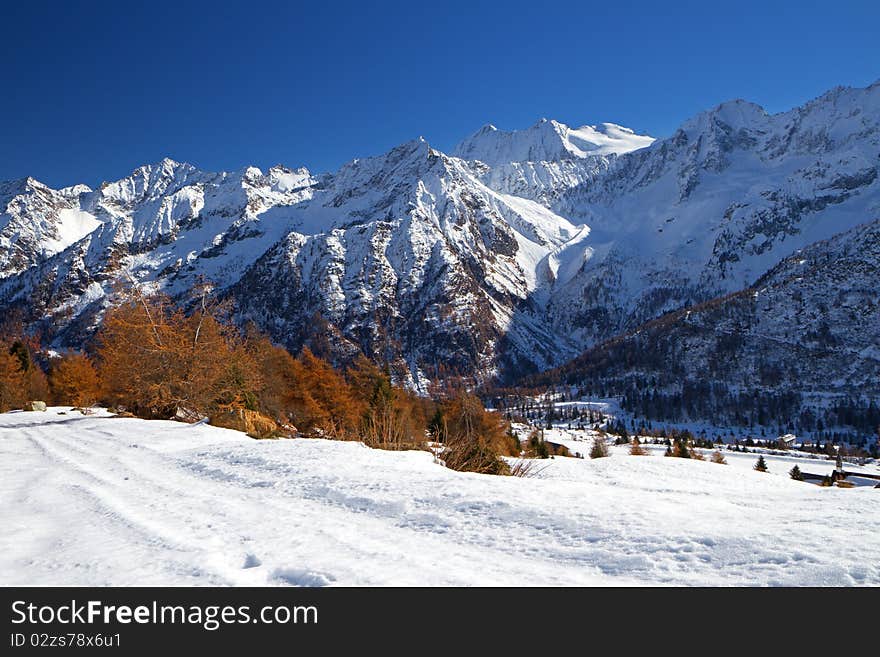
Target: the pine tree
pixel 326 402
pixel 437 426
pixel 795 473
pixel 761 465
pixel 279 370
pixel 22 353
pixel 537 448
pixel 156 361
pixel 681 449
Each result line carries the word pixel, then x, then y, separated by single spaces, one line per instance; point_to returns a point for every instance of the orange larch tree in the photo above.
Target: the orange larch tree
pixel 73 380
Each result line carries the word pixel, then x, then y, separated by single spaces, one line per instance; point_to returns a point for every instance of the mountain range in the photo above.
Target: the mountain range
pixel 740 250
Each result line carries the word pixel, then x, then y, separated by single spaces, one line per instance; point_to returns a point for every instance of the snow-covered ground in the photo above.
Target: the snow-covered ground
pixel 779 462
pixel 95 500
pixel 611 409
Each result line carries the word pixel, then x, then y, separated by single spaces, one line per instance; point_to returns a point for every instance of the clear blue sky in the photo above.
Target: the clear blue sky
pixel 93 89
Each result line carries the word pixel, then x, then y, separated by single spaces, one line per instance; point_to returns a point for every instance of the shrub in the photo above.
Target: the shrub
pixel 559 450
pixel 525 469
pixel 718 457
pixel 475 438
pixel 600 448
pixel 254 424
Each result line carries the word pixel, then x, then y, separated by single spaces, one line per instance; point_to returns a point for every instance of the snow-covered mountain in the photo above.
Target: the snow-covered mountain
pixel 37 222
pixel 549 141
pixel 512 254
pixel 547 159
pixel 806 335
pixel 407 255
pixel 709 210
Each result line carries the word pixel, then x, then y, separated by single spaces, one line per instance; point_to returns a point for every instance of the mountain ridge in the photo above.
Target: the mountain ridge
pixel 495 267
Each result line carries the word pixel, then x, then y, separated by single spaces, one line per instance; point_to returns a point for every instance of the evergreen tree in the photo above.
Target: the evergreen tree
pixel 600 448
pixel 681 450
pixel 37 384
pixel 761 465
pixel 795 473
pixel 437 426
pixel 20 351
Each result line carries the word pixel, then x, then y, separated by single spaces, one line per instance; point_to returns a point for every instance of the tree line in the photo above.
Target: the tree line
pixel 153 360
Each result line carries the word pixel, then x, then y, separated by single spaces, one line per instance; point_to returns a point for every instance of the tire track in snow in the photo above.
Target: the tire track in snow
pixel 147 516
pixel 175 490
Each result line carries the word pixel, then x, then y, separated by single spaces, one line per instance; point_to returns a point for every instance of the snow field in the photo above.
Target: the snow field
pixel 96 500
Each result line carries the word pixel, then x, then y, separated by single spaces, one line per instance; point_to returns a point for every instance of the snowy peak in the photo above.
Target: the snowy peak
pixel 148 182
pixel 707 211
pixel 278 186
pixel 21 186
pixel 829 122
pixel 36 222
pixel 839 117
pixel 549 140
pixel 416 181
pixel 735 114
pixel 602 139
pixel 281 179
pixel 410 156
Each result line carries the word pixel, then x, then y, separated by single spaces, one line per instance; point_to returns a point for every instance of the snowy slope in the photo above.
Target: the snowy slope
pixel 546 160
pixel 779 464
pixel 100 500
pixel 547 141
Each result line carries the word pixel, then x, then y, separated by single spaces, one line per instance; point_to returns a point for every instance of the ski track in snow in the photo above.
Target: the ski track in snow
pixel 95 500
